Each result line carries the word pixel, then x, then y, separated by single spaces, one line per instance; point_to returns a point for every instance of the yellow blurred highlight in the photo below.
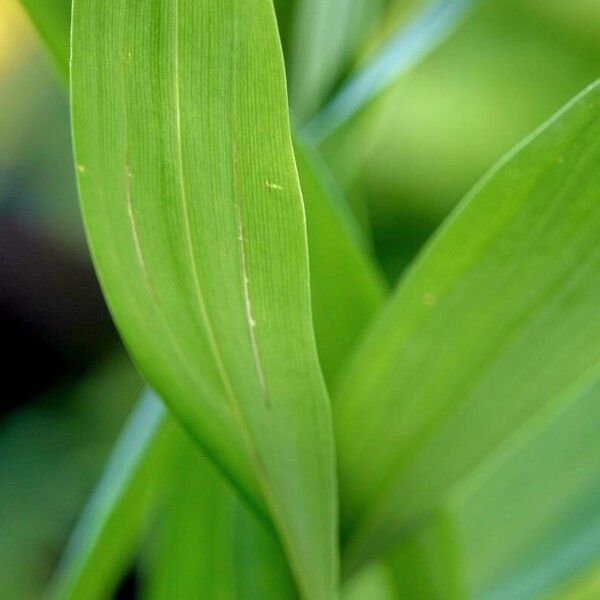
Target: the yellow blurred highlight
pixel 17 40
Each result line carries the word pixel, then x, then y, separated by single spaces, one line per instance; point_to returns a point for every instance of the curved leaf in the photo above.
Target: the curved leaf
pixel 497 319
pixel 195 218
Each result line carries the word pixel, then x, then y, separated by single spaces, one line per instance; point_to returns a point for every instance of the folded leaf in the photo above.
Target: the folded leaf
pixel 195 218
pixel 497 319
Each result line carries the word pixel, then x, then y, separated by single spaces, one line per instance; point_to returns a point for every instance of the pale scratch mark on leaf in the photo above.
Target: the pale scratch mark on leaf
pixel 249 314
pixel 210 331
pixel 133 225
pixel 246 280
pixel 148 283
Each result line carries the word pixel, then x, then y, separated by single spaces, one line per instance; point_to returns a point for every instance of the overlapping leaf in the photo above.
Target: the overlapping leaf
pixel 495 321
pixel 408 45
pixel 108 532
pixel 326 36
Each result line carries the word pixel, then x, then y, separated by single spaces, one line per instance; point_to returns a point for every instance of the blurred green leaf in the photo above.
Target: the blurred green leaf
pixel 584 587
pixel 203 254
pixel 208 544
pixel 347 288
pixel 193 554
pixel 406 47
pixel 52 18
pixel 538 496
pixel 426 565
pixel 494 323
pixel 374 582
pixel 326 34
pixel 261 571
pixel 107 534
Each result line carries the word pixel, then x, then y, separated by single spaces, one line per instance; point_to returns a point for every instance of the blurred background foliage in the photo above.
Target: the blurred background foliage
pixel 405 164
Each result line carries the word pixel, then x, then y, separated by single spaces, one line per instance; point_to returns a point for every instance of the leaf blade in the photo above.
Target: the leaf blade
pixel 498 279
pixel 235 298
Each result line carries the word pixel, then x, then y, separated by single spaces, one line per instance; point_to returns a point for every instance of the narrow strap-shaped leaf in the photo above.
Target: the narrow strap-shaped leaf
pixel 195 218
pixel 325 39
pixel 347 288
pixel 351 278
pixel 108 532
pixel 496 319
pixel 407 46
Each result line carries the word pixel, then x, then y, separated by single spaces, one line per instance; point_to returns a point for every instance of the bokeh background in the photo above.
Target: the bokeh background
pixel 67 383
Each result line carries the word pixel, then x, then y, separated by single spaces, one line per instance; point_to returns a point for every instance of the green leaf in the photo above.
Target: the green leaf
pixel 321 52
pixel 156 467
pixel 426 565
pixel 585 587
pixel 52 19
pixel 107 534
pixel 342 306
pixel 408 45
pixel 538 496
pixel 495 321
pixel 195 218
pixel 347 288
pixel 261 571
pixel 374 582
pixel 347 292
pixel 193 555
pixel 209 545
